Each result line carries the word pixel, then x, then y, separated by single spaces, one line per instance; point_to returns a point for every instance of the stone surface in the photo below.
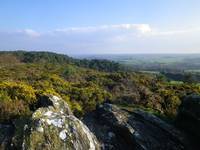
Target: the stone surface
pixel 6 133
pixel 56 128
pixel 188 117
pixel 136 130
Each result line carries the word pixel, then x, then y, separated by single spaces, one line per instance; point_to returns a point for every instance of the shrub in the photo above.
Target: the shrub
pixel 15 99
pixel 18 91
pixel 12 109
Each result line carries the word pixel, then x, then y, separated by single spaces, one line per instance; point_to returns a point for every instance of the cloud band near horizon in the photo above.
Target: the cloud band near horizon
pixel 118 38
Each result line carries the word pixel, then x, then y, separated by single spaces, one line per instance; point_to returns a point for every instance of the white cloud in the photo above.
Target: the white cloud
pixel 143 28
pixel 29 32
pixel 123 38
pixel 177 31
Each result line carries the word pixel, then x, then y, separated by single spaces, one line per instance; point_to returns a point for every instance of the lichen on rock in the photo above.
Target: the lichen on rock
pixel 55 127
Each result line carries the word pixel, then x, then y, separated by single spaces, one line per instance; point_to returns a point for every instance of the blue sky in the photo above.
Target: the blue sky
pixel 101 26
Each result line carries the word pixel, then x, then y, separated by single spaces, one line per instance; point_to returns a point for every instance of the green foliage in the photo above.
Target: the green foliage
pixel 88 96
pixel 18 91
pixel 83 88
pixel 15 99
pixel 70 71
pixel 38 57
pixel 101 65
pixel 53 58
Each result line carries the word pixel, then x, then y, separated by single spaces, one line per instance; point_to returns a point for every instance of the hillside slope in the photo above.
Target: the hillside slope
pixel 27 77
pixel 10 57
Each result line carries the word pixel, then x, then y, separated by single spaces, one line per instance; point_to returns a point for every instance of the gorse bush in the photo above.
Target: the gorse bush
pixel 15 100
pixel 18 91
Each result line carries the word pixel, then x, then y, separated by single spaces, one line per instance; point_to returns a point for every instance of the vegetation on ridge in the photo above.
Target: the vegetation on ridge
pixel 24 76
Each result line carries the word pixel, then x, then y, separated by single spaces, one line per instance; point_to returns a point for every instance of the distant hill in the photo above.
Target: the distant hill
pixel 154 62
pixel 10 57
pixel 36 57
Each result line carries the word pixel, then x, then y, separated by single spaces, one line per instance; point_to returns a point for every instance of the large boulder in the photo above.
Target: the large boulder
pixel 55 128
pixel 188 117
pixel 120 129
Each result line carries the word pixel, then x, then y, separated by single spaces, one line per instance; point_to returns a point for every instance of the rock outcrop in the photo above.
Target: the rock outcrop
pixel 188 117
pixel 119 129
pixel 56 128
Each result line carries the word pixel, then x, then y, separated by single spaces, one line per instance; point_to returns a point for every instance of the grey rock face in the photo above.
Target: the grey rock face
pixel 6 133
pixel 188 116
pixel 136 130
pixel 56 128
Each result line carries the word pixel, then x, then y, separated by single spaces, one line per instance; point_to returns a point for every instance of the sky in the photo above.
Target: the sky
pixel 100 26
